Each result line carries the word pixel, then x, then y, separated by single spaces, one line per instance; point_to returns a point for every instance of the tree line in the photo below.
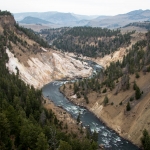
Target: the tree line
pixel 3 13
pixel 92 42
pixel 145 24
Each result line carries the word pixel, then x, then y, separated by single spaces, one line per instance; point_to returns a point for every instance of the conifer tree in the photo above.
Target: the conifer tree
pixel 105 100
pixel 128 108
pixel 137 93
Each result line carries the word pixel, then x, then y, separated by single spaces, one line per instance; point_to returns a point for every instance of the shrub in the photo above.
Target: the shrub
pixel 104 91
pixel 131 98
pixel 120 103
pixel 137 75
pixel 105 100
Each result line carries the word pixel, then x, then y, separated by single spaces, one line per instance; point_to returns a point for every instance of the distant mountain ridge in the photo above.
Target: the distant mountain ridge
pixel 62 19
pixel 70 19
pixel 121 19
pixel 33 20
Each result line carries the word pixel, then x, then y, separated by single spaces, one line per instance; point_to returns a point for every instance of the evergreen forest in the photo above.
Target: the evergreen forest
pixel 92 42
pixel 145 24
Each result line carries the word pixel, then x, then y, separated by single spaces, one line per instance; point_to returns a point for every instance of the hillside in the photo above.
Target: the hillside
pixel 145 24
pixel 92 42
pixel 119 95
pixel 25 123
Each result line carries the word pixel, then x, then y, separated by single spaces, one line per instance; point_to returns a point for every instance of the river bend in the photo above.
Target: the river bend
pixel 106 136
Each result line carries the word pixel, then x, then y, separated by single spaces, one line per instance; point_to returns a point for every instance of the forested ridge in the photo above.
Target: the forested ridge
pixel 145 24
pixel 2 13
pixel 24 123
pixel 51 34
pixel 92 42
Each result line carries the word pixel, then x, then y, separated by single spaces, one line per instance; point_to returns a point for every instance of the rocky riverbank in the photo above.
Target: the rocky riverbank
pixel 69 124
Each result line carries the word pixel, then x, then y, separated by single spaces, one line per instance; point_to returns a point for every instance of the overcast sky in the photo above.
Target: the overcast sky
pixel 85 7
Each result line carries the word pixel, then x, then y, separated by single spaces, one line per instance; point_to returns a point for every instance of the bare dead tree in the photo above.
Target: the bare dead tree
pixel 42 117
pixel 53 140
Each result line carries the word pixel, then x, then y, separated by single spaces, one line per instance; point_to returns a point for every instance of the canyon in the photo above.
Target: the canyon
pixel 38 66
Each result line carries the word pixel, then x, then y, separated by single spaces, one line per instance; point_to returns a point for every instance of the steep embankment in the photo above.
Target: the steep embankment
pixel 129 124
pixel 46 67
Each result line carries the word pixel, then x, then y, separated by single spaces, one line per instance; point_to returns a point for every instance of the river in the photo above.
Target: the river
pixel 106 136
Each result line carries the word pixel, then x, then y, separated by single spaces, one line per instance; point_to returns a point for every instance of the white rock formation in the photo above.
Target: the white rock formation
pixel 47 67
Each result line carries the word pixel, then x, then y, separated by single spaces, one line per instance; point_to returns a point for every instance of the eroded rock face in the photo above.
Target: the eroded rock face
pixel 47 67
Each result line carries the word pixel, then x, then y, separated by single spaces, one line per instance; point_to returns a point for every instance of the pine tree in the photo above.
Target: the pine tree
pixel 134 86
pixel 137 75
pixel 137 93
pixel 128 108
pixel 105 100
